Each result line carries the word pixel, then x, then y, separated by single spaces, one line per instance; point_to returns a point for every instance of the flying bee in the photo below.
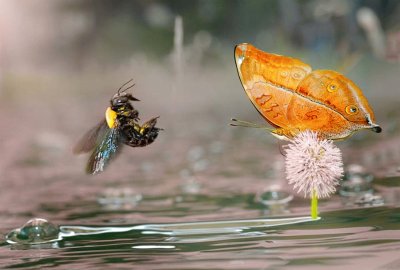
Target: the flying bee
pixel 120 126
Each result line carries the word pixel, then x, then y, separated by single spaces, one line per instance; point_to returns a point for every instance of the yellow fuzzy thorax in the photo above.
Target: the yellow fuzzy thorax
pixel 111 116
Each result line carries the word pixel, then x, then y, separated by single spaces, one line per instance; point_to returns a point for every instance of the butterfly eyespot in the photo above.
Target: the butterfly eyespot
pixel 284 74
pixel 297 76
pixel 332 88
pixel 351 109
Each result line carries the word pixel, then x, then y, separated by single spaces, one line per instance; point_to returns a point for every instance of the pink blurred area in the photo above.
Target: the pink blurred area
pixel 60 65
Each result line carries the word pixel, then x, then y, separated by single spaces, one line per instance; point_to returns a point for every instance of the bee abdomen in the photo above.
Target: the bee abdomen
pixel 136 139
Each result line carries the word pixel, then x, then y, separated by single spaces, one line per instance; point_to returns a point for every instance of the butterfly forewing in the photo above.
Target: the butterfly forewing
pixel 269 81
pixel 255 65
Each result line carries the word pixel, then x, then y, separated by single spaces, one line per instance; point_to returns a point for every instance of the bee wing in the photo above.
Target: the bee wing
pixel 91 138
pixel 104 151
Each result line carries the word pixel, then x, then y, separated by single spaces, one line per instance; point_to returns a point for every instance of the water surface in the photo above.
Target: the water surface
pixel 196 231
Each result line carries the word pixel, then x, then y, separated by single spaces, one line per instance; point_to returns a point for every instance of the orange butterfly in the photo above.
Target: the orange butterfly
pixel 293 98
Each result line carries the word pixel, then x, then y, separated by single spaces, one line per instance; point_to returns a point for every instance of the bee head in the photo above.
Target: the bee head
pixel 121 98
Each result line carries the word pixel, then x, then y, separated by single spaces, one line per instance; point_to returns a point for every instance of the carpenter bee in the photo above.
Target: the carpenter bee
pixel 119 127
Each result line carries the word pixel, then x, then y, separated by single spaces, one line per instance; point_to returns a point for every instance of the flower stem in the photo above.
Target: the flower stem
pixel 314 205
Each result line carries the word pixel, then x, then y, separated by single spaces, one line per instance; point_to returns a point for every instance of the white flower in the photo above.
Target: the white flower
pixel 313 164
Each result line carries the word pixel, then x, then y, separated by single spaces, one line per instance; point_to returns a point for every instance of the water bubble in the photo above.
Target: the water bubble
pixel 185 174
pixel 274 197
pixel 370 200
pixel 275 200
pixel 35 231
pixel 200 165
pixel 191 186
pixel 356 170
pixel 216 147
pixel 120 198
pixel 147 167
pixel 356 181
pixel 195 153
pixel 355 186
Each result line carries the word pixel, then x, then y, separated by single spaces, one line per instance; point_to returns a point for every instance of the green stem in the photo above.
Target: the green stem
pixel 314 205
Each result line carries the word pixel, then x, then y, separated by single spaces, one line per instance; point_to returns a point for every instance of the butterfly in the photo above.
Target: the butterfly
pixel 120 126
pixel 293 98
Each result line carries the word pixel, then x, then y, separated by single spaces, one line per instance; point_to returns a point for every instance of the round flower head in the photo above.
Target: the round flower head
pixel 313 165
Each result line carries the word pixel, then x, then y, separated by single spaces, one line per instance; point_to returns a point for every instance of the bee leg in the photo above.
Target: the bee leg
pixel 150 124
pixel 142 135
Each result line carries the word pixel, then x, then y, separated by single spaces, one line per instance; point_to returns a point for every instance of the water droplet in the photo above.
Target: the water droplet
pixel 195 153
pixel 216 147
pixel 355 186
pixel 369 199
pixel 147 167
pixel 356 170
pixel 200 165
pixel 356 181
pixel 120 198
pixel 35 231
pixel 191 186
pixel 185 174
pixel 274 197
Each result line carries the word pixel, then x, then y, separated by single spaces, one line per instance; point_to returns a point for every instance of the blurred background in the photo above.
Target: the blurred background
pixel 61 62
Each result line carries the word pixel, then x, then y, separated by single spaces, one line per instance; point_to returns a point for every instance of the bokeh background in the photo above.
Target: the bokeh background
pixel 61 62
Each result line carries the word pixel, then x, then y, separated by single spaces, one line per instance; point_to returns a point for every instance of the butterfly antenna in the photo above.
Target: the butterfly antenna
pixel 122 86
pixel 241 123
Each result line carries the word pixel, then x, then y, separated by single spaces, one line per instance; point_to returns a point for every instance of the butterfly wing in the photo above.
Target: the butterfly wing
pixel 334 92
pixel 292 97
pixel 269 81
pixel 104 151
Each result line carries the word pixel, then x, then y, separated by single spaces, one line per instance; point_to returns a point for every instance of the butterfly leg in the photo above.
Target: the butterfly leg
pixel 284 133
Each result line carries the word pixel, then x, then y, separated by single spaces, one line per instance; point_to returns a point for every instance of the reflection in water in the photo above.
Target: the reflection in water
pixel 39 231
pixel 343 237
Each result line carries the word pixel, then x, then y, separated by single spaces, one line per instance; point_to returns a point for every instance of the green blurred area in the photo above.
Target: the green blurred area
pixel 148 25
pixel 114 30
